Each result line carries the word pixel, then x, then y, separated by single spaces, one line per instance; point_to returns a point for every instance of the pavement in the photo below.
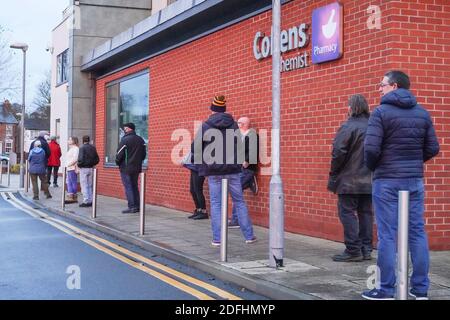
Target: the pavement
pixel 308 272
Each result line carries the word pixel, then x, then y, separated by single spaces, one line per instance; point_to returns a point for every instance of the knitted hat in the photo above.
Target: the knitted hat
pixel 218 104
pixel 130 125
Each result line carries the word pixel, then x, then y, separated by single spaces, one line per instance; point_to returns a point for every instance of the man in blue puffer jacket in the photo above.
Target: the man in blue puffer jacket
pixel 38 168
pixel 399 139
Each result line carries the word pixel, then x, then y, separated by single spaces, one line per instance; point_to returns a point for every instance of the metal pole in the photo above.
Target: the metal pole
pixel 26 176
pixel 9 173
pixel 402 249
pixel 142 205
pixel 224 222
pixel 276 227
pixel 94 195
pixel 63 197
pixel 22 129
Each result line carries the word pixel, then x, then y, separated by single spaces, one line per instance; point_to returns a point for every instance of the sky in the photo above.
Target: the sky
pixel 32 22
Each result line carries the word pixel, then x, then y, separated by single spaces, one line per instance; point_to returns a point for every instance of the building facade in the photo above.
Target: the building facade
pixel 164 77
pixel 85 24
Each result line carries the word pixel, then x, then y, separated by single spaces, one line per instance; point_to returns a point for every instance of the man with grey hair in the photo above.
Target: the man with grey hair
pixel 250 142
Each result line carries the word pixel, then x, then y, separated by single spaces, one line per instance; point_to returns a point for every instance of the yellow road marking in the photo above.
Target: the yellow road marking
pixel 222 293
pixel 198 294
pixel 219 292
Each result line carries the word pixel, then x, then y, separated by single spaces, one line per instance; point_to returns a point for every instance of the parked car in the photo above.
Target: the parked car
pixel 4 159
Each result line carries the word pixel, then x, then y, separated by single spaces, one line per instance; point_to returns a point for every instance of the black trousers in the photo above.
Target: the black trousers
pixel 196 188
pixel 355 213
pixel 55 174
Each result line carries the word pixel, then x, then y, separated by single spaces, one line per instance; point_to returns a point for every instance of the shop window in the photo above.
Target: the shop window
pixel 61 68
pixel 127 100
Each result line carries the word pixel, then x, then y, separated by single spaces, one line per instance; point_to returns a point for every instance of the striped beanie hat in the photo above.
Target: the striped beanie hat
pixel 218 104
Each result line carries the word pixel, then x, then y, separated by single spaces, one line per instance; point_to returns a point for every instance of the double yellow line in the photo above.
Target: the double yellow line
pixel 124 255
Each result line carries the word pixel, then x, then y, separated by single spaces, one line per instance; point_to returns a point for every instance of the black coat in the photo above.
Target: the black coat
pixel 348 174
pixel 87 156
pixel 44 145
pixel 227 162
pixel 130 154
pixel 252 150
pixel 400 137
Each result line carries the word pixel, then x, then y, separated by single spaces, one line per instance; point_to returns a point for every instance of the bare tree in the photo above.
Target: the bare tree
pixel 43 96
pixel 8 76
pixel 42 100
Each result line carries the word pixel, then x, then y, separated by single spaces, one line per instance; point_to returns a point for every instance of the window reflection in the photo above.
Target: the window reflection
pixel 126 101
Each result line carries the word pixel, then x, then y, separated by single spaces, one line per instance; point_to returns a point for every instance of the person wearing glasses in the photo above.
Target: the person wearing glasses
pixel 351 180
pixel 400 138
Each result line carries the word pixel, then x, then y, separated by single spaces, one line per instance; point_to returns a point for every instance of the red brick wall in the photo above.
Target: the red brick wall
pixel 314 100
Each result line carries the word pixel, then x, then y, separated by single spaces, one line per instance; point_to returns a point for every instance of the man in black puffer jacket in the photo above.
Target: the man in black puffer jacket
pixel 351 180
pixel 399 139
pixel 130 155
pixel 216 148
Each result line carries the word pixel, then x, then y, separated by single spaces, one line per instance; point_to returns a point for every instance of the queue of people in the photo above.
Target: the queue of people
pixel 374 155
pixel 44 162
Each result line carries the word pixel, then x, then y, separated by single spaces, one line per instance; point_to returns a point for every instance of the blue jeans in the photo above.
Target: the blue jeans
pixel 235 189
pixel 246 180
pixel 130 184
pixel 385 203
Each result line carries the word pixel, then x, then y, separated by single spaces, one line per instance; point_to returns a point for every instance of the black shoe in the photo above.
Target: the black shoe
pixel 200 216
pixel 131 210
pixel 55 185
pixel 85 205
pixel 196 213
pixel 49 196
pixel 254 186
pixel 35 198
pixel 346 257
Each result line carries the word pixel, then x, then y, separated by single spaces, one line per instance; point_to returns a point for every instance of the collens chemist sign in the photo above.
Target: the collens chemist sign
pixel 326 35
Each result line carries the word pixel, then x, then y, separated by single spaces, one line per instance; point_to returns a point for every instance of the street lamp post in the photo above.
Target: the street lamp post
pixel 276 224
pixel 24 48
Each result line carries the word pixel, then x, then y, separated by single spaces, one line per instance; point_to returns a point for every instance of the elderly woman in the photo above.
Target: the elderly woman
pixel 37 168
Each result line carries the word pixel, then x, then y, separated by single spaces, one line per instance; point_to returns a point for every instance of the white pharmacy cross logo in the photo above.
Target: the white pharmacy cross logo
pixel 329 29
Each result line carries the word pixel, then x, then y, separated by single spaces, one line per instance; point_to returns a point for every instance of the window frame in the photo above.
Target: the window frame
pixel 10 143
pixel 112 164
pixel 60 77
